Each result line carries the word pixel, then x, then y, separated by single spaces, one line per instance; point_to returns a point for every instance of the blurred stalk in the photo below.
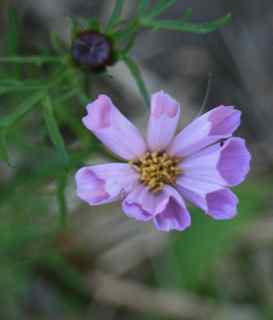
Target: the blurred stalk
pixel 136 74
pixel 61 188
pixel 115 17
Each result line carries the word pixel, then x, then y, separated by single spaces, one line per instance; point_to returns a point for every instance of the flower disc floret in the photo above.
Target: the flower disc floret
pixel 156 169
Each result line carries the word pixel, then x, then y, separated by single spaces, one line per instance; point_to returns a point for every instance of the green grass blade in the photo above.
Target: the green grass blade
pixel 58 142
pixel 135 72
pixel 61 188
pixel 54 132
pixel 14 85
pixel 115 16
pixel 23 109
pixel 12 38
pixel 67 96
pixel 38 60
pixel 4 154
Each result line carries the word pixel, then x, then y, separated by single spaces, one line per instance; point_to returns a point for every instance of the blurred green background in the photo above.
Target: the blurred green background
pixel 61 259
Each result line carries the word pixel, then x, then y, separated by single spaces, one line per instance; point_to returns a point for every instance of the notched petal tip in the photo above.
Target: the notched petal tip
pixel 164 117
pixel 217 202
pixel 164 104
pixel 142 204
pixel 99 113
pixel 113 129
pixel 218 123
pixel 175 216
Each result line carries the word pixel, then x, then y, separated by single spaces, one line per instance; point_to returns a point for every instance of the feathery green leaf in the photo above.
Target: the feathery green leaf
pixel 4 154
pixel 181 25
pixel 54 131
pixel 162 6
pixel 23 109
pixel 115 16
pixel 39 60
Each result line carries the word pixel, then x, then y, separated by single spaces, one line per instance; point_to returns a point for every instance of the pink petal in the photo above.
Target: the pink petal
pixel 143 204
pixel 216 201
pixel 105 183
pixel 165 112
pixel 222 204
pixel 175 216
pixel 166 208
pixel 219 123
pixel 113 129
pixel 226 165
pixel 234 162
pixel 203 165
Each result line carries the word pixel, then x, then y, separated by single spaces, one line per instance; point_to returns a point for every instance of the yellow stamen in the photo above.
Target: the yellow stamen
pixel 156 170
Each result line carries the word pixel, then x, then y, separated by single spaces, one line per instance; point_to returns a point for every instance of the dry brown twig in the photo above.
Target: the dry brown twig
pixel 115 291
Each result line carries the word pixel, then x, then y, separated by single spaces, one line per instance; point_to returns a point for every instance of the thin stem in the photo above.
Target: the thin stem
pixel 30 59
pixel 184 25
pixel 4 153
pixel 115 15
pixel 136 74
pixel 61 188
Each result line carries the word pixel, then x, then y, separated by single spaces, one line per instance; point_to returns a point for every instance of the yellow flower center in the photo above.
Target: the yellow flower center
pixel 156 169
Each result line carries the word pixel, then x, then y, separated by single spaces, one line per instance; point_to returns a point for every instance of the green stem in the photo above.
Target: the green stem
pixel 184 25
pixel 4 153
pixel 115 15
pixel 61 188
pixel 30 59
pixel 136 74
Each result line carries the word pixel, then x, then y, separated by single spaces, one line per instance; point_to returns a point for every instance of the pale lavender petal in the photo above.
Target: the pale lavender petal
pixel 175 216
pixel 222 204
pixel 113 129
pixel 203 165
pixel 143 204
pixel 165 113
pixel 217 124
pixel 216 201
pixel 105 183
pixel 226 165
pixel 195 190
pixel 234 162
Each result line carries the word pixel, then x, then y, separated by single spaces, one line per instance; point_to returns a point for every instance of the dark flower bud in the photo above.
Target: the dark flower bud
pixel 92 50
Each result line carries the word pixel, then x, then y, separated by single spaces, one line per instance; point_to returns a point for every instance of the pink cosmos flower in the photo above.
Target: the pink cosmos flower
pixel 198 165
